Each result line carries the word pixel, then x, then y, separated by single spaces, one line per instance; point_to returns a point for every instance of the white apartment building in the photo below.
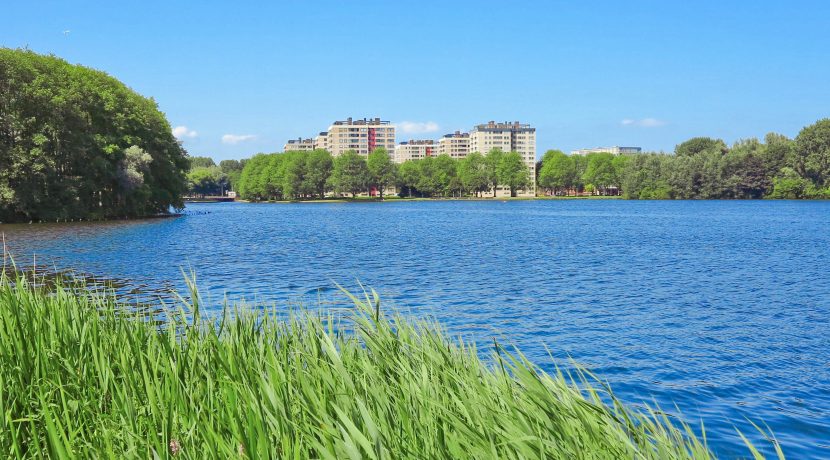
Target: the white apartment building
pixel 509 137
pixel 299 144
pixel 415 150
pixel 456 145
pixel 612 150
pixel 362 136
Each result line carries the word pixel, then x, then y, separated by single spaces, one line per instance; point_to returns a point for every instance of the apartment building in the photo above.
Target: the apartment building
pixel 414 150
pixel 509 137
pixel 456 145
pixel 321 141
pixel 362 136
pixel 299 144
pixel 612 150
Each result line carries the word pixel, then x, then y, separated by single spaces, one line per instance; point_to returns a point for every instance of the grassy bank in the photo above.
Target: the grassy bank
pixel 80 378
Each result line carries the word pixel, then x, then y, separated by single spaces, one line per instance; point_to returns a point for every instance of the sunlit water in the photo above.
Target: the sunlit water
pixel 719 307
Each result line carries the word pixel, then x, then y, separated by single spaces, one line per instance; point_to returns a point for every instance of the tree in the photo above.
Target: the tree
pixel 201 162
pixel 233 171
pixel 427 177
pixel 601 172
pixel 493 160
pixel 206 180
pixel 472 172
pixel 446 175
pixel 513 172
pixel 293 175
pixel 812 153
pixel 698 145
pixel 382 170
pixel 409 174
pixel 558 171
pixel 77 143
pixel 319 165
pixel 350 174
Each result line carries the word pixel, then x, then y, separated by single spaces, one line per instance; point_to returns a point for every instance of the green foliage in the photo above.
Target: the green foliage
pixel 319 164
pixel 512 172
pixel 382 171
pixel 704 168
pixel 350 174
pixel 201 162
pixel 473 174
pixel 492 161
pixel 207 181
pixel 83 377
pixel 812 153
pixel 77 143
pixel 697 145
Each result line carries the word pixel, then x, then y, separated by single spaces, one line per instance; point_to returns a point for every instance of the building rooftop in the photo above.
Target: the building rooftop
pixel 365 121
pixel 492 125
pixel 418 142
pixel 457 134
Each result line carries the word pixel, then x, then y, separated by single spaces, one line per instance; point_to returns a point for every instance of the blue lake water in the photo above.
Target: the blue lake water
pixel 719 307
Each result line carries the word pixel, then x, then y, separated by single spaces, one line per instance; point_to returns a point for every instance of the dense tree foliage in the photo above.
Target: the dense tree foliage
pixel 702 168
pixel 297 175
pixel 76 143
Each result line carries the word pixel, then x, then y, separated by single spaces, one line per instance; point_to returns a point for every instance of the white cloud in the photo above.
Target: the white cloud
pixel 416 127
pixel 237 138
pixel 643 123
pixel 182 132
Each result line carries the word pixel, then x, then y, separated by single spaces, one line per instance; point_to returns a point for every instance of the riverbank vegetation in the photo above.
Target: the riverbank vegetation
pixel 702 168
pixel 75 143
pixel 83 377
pixel 304 175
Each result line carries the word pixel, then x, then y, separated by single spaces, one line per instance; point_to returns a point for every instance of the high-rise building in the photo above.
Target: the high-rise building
pixel 299 144
pixel 612 150
pixel 321 141
pixel 456 145
pixel 509 137
pixel 414 150
pixel 362 136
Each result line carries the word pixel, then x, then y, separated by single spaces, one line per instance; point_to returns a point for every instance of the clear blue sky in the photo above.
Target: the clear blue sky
pixel 646 73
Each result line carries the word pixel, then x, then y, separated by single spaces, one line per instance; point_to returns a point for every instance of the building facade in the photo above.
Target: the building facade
pixel 299 144
pixel 456 145
pixel 415 150
pixel 509 137
pixel 321 141
pixel 616 150
pixel 362 136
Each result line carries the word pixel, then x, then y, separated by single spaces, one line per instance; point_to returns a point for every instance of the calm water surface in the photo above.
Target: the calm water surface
pixel 720 307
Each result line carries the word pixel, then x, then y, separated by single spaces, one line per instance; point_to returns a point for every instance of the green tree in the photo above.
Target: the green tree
pixel 409 174
pixel 206 181
pixel 812 153
pixel 513 172
pixel 493 160
pixel 558 171
pixel 446 175
pixel 601 172
pixel 201 162
pixel 75 142
pixel 697 145
pixel 319 164
pixel 350 174
pixel 472 172
pixel 382 170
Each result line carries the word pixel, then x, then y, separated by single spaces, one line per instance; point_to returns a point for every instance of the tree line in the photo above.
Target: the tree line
pixel 701 168
pixel 303 175
pixel 75 143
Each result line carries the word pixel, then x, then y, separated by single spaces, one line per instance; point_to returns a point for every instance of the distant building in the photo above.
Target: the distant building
pixel 509 137
pixel 299 144
pixel 415 150
pixel 362 136
pixel 612 150
pixel 322 141
pixel 456 145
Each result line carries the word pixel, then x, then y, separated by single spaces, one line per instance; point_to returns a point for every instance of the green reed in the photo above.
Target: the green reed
pixel 83 377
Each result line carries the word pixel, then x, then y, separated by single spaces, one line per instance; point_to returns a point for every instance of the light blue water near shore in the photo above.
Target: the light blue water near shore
pixel 720 307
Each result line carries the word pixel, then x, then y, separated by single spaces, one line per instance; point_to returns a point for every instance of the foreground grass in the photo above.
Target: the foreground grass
pixel 80 378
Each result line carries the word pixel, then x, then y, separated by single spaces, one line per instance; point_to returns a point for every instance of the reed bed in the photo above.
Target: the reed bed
pixel 81 376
